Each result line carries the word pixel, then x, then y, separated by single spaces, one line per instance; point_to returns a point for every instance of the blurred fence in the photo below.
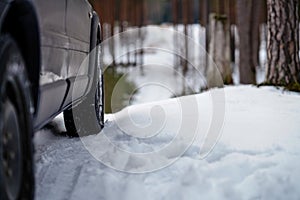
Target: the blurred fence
pixel 118 15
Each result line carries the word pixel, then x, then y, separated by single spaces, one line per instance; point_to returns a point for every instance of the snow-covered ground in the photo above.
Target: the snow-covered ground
pixel 256 157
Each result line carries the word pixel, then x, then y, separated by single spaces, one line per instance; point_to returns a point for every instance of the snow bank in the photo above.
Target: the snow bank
pixel 257 156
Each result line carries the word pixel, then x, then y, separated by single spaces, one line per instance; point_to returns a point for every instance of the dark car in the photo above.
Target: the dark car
pixel 43 47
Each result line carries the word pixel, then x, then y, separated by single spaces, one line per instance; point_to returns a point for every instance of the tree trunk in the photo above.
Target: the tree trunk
pixel 175 12
pixel 245 26
pixel 185 13
pixel 219 50
pixel 283 43
pixel 255 26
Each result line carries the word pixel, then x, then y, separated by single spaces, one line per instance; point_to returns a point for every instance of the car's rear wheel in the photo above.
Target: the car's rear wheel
pixel 87 118
pixel 16 147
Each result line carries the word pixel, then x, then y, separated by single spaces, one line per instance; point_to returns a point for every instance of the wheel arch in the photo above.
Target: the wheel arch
pixel 95 31
pixel 95 39
pixel 21 22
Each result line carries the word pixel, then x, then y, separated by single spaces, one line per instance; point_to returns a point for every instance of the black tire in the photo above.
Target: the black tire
pixel 87 118
pixel 16 146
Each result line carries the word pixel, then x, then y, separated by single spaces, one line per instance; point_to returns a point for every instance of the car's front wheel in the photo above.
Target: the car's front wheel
pixel 87 118
pixel 16 147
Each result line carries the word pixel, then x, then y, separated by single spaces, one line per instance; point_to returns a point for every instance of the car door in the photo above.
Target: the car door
pixel 55 55
pixel 78 26
pixel 54 39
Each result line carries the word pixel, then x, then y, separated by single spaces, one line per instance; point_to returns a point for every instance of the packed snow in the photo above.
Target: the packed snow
pixel 256 155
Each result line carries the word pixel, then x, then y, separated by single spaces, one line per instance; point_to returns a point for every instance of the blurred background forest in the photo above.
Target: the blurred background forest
pixel 232 32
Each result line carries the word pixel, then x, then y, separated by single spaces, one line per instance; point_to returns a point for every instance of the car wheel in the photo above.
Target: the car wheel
pixel 87 118
pixel 16 147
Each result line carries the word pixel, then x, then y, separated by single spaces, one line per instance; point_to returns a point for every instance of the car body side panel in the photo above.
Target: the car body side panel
pixel 65 30
pixel 54 58
pixel 50 98
pixel 79 13
pixel 78 28
pixel 54 40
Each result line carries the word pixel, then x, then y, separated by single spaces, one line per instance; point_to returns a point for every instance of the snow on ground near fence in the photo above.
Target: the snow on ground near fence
pixel 257 157
pixel 159 66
